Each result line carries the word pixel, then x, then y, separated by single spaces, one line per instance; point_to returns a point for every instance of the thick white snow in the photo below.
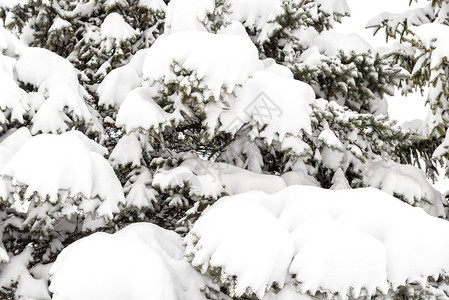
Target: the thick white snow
pixel 406 181
pixel 186 15
pixel 221 61
pixel 14 103
pixel 264 93
pixel 347 242
pixel 332 152
pixel 139 110
pixel 28 287
pixel 116 85
pixel 59 24
pixel 330 43
pixel 255 14
pixel 334 6
pixel 127 151
pixel 11 142
pixel 114 30
pixel 10 44
pixel 57 80
pixel 62 167
pixel 213 178
pixel 141 261
pixel 268 99
pixel 155 5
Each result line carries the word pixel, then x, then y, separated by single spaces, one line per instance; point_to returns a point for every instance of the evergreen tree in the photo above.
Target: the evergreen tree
pixel 208 118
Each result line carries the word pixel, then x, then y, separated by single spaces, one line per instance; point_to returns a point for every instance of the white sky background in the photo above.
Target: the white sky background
pixel 400 108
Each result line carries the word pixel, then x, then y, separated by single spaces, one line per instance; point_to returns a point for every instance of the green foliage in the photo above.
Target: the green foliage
pixel 354 80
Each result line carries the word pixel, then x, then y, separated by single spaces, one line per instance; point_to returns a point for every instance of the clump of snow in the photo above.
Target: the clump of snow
pixel 255 14
pixel 433 36
pixel 332 152
pixel 139 110
pixel 57 80
pixel 258 228
pixel 220 61
pixel 28 286
pixel 62 167
pixel 406 181
pixel 10 44
pixel 116 85
pixel 59 24
pixel 186 15
pixel 14 103
pixel 238 88
pixel 128 151
pixel 267 99
pixel 409 18
pixel 155 5
pixel 340 7
pixel 345 242
pixel 11 142
pixel 339 181
pixel 147 260
pixel 211 178
pixel 114 30
pixel 328 44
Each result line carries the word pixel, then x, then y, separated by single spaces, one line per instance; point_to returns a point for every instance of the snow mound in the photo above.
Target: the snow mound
pixel 64 167
pixel 221 61
pixel 254 240
pixel 147 261
pixel 186 15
